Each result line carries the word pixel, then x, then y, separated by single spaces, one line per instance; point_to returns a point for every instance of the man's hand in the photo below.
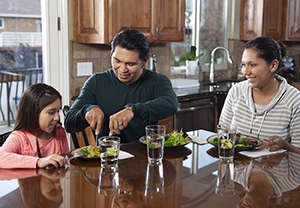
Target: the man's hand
pixel 119 121
pixel 95 117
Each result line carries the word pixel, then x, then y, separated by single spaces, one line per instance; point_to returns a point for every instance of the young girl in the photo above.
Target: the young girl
pixel 37 140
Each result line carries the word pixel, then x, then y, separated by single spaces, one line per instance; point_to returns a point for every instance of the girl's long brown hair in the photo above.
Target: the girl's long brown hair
pixel 34 99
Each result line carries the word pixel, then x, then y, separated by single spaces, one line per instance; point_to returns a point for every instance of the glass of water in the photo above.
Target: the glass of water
pixel 226 142
pixel 155 136
pixel 109 150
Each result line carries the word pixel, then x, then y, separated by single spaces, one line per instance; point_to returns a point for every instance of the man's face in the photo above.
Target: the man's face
pixel 127 65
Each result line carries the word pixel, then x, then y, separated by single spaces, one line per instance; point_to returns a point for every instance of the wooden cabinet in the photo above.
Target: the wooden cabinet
pixel 292 24
pixel 98 21
pixel 296 84
pixel 277 19
pixel 261 18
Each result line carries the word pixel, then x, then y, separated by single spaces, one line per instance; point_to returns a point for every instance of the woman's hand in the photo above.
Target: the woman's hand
pixel 55 160
pixel 274 143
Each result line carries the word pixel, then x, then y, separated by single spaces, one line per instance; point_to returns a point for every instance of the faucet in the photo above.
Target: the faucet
pixel 212 74
pixel 153 63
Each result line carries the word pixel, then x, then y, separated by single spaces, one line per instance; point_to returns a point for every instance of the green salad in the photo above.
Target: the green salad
pixel 91 151
pixel 244 141
pixel 240 141
pixel 176 138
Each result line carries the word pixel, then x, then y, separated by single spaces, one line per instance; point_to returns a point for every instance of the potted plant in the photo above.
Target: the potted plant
pixel 192 68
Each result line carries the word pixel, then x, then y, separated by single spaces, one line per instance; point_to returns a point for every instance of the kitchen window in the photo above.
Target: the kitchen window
pixel 205 28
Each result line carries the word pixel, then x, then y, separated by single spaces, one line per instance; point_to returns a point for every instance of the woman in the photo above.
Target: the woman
pixel 37 140
pixel 265 105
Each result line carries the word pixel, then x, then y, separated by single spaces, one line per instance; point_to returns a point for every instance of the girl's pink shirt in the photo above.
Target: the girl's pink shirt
pixel 20 150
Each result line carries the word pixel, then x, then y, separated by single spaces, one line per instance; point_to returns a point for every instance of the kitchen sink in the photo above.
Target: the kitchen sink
pixel 222 84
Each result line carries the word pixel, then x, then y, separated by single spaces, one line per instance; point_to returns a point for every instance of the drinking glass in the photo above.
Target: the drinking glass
pixel 226 142
pixel 155 135
pixel 109 150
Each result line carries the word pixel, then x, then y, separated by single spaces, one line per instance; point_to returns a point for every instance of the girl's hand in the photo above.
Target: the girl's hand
pixel 53 174
pixel 273 143
pixel 55 159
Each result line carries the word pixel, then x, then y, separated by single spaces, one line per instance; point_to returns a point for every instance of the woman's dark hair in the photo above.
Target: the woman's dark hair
pixel 267 49
pixel 132 40
pixel 34 99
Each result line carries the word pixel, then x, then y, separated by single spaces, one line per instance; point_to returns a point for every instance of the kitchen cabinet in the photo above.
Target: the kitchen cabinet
pixel 98 21
pixel 292 25
pixel 261 18
pixel 295 84
pixel 277 19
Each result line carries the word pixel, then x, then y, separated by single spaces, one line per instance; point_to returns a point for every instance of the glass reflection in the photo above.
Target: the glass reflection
pixel 108 180
pixel 154 180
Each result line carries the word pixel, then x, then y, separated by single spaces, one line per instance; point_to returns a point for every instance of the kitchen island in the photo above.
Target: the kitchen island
pixel 190 178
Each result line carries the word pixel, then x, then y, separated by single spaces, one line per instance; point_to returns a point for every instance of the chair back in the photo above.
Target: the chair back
pixel 3 137
pixel 83 138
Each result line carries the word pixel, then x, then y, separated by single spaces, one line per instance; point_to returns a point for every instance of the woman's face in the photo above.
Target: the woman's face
pixel 127 65
pixel 49 116
pixel 256 70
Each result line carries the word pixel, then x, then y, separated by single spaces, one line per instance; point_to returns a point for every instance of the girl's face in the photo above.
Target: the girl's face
pixel 256 69
pixel 49 116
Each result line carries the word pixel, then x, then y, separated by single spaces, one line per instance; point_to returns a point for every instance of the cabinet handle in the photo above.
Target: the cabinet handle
pixel 196 108
pixel 267 30
pixel 183 30
pixel 292 30
pixel 156 30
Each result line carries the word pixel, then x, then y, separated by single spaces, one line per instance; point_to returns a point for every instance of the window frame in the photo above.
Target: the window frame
pixel 196 37
pixel 2 21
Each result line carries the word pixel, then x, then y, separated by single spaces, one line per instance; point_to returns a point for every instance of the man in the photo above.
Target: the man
pixel 126 98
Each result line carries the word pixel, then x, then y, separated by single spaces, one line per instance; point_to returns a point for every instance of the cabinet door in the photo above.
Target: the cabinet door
pixel 251 19
pixel 293 20
pixel 133 14
pixel 261 18
pixel 88 21
pixel 272 19
pixel 170 20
